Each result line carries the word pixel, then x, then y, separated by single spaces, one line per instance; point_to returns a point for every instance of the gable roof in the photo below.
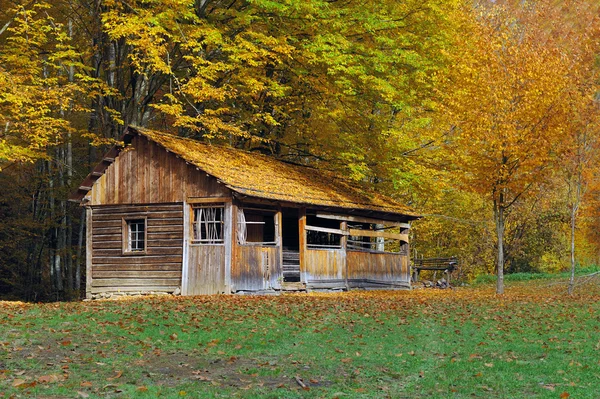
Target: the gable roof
pixel 257 175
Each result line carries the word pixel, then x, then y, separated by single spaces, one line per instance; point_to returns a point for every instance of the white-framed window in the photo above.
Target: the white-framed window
pixel 134 236
pixel 207 226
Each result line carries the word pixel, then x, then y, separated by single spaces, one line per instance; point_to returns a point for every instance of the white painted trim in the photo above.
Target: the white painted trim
pixel 186 238
pixel 228 240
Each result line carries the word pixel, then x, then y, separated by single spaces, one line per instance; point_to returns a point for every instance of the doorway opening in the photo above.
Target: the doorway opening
pixel 290 245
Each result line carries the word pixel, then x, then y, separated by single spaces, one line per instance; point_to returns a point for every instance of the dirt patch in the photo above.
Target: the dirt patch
pixel 235 372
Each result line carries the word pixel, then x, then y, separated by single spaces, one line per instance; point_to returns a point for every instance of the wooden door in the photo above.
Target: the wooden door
pixel 206 269
pixel 208 249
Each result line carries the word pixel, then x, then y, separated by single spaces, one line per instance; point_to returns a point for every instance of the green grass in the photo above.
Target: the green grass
pixel 488 278
pixel 534 342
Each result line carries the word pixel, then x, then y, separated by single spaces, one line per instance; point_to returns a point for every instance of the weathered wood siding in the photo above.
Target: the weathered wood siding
pixel 366 269
pixel 147 173
pixel 324 268
pixel 158 269
pixel 256 268
pixel 206 269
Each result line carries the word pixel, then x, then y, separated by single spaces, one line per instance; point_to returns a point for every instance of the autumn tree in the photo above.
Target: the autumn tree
pixel 509 112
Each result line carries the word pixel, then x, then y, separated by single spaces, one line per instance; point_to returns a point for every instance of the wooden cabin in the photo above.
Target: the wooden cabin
pixel 170 214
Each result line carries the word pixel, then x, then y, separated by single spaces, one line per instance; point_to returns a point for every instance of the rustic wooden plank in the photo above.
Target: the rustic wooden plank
pixel 115 170
pixel 106 230
pixel 118 209
pixel 107 237
pixel 209 200
pixel 168 267
pixel 360 219
pixel 384 234
pixel 138 260
pixel 88 252
pixel 165 222
pixel 151 214
pixel 121 274
pixel 143 163
pixel 165 236
pixel 134 282
pixel 116 223
pixel 326 230
pixel 165 229
pixel 153 243
pixel 107 244
pixel 148 288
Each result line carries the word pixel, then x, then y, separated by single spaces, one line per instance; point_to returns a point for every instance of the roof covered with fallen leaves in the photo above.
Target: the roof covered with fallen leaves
pixel 261 176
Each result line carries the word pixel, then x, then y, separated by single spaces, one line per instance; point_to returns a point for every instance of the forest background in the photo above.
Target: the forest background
pixel 482 115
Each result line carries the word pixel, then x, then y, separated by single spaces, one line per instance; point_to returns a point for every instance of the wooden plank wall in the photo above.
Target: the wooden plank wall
pixel 147 173
pixel 324 268
pixel 206 269
pixel 256 268
pixel 366 268
pixel 159 269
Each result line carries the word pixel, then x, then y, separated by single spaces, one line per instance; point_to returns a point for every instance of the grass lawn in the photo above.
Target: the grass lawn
pixel 534 342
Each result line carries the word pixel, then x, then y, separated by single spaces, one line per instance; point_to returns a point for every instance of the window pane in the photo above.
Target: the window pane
pixel 136 234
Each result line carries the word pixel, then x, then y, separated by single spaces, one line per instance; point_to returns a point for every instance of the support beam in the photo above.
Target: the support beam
pixel 384 234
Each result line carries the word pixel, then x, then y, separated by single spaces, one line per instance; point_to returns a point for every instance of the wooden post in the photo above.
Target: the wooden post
pixel 302 243
pixel 234 269
pixel 405 249
pixel 279 240
pixel 88 252
pixel 344 243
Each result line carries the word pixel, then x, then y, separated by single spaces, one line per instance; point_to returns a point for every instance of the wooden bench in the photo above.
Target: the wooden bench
pixel 447 265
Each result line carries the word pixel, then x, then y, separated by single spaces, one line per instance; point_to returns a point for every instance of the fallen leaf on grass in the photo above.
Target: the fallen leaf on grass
pixel 18 382
pixel 564 395
pixel 48 379
pixel 488 364
pixel 83 394
pixel 142 389
pixel 86 384
pixel 118 375
pixel 346 360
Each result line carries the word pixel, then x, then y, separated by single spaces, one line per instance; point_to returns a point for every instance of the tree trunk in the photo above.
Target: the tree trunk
pixel 79 249
pixel 572 279
pixel 499 216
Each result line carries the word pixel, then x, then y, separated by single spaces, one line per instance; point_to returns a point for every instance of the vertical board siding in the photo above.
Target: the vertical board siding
pixel 206 269
pixel 256 268
pixel 158 269
pixel 377 268
pixel 147 173
pixel 325 266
